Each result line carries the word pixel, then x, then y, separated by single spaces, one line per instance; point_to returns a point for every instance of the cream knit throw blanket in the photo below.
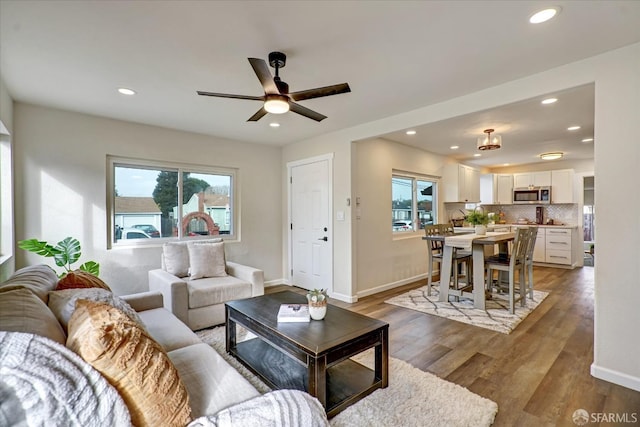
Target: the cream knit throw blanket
pixel 43 383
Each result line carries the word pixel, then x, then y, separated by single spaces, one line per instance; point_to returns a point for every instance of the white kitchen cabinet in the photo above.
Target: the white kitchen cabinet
pixel 532 179
pixel 461 183
pixel 562 186
pixel 558 245
pixel 496 189
pixel 539 250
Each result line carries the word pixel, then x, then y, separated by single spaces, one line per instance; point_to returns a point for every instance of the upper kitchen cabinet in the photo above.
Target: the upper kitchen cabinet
pixel 532 179
pixel 562 186
pixel 461 183
pixel 496 189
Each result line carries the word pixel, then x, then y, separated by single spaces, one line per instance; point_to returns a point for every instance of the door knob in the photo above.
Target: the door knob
pixel 325 238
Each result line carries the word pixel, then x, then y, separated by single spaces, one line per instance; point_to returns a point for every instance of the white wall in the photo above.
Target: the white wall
pixel 385 260
pixel 61 188
pixel 616 75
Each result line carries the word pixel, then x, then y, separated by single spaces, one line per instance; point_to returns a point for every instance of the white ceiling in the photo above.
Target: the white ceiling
pixel 397 56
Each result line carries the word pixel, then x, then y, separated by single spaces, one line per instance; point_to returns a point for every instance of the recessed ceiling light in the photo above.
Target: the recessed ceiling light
pixel 274 125
pixel 587 140
pixel 477 155
pixel 549 100
pixel 454 147
pixel 544 15
pixel 573 128
pixel 506 164
pixel 126 91
pixel 411 132
pixel 551 156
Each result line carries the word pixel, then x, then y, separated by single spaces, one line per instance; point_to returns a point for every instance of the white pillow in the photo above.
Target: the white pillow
pixel 175 257
pixel 63 303
pixel 207 260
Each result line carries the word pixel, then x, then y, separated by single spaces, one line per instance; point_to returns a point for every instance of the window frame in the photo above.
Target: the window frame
pixel 181 168
pixel 415 177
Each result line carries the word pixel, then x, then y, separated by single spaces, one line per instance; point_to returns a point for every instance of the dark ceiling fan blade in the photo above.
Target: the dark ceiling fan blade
pixel 262 71
pixel 304 111
pixel 258 115
pixel 226 95
pixel 320 91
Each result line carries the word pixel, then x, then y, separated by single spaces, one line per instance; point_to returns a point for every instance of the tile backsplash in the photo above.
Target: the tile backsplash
pixel 560 213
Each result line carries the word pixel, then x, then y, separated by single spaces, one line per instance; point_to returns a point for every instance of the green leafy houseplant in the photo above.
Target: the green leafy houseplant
pixel 65 253
pixel 477 218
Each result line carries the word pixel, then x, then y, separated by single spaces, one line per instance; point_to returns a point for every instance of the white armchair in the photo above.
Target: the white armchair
pixel 199 303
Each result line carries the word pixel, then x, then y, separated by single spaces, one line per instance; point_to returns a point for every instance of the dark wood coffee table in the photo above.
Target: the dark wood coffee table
pixel 314 356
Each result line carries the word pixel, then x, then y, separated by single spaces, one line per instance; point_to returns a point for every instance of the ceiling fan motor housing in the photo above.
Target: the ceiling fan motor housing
pixel 277 60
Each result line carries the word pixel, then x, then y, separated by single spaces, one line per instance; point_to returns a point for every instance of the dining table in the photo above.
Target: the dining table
pixel 476 243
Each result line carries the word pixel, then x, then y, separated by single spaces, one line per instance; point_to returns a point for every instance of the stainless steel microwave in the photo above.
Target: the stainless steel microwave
pixel 532 196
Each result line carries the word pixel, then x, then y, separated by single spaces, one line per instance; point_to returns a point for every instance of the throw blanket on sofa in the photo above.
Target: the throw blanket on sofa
pixel 281 408
pixel 43 383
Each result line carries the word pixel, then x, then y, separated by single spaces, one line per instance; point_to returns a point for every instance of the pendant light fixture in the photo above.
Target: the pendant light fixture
pixel 489 142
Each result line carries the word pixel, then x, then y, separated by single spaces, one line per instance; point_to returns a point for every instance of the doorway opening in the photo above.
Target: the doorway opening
pixel 588 220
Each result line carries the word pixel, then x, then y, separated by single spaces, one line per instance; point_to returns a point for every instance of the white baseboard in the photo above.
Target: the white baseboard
pixel 615 377
pixel 392 285
pixel 276 282
pixel 343 297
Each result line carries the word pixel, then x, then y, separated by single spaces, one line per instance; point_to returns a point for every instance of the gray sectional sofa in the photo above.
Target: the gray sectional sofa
pixel 214 387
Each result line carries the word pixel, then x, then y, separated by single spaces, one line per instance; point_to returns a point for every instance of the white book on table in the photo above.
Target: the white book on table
pixel 294 313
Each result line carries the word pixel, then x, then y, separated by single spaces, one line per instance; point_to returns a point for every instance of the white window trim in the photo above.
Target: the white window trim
pixel 414 177
pixel 113 161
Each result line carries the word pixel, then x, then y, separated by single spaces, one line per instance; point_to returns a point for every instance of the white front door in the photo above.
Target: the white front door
pixel 310 228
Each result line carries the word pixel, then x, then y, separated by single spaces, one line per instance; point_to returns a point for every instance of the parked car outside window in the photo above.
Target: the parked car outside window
pixel 133 233
pixel 402 225
pixel 149 229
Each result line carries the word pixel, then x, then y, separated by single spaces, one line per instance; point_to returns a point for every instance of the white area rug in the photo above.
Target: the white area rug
pixel 495 317
pixel 414 398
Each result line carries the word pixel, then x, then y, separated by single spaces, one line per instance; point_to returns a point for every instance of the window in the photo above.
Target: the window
pixel 413 202
pixel 6 191
pixel 153 200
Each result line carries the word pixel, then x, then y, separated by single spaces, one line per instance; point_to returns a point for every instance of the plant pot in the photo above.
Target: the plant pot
pixel 317 310
pixel 481 230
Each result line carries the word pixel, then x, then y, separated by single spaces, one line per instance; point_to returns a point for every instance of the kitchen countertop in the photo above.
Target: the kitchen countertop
pixel 497 226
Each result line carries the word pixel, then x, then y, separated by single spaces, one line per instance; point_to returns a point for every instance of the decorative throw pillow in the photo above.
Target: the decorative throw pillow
pixel 207 260
pixel 175 258
pixel 63 303
pixel 80 279
pixel 22 311
pixel 132 362
pixel 38 278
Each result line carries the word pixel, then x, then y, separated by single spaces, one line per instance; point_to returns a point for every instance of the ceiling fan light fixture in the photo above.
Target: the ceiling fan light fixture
pixel 276 104
pixel 489 142
pixel 551 156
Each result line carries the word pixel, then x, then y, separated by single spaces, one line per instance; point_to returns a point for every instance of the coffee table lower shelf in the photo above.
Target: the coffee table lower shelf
pixel 347 381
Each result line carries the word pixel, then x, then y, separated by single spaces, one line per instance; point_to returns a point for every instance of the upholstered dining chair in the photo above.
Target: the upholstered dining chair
pixel 512 263
pixel 436 248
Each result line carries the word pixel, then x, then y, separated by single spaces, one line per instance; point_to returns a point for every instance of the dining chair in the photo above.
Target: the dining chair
pixel 458 257
pixel 533 234
pixel 511 263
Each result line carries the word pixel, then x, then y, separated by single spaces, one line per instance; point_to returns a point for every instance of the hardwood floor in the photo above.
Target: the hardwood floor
pixel 539 374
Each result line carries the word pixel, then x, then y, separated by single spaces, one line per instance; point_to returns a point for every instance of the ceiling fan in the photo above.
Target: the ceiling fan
pixel 276 98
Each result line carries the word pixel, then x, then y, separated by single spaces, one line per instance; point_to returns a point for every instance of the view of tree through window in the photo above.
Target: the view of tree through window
pixel 151 202
pixel 413 203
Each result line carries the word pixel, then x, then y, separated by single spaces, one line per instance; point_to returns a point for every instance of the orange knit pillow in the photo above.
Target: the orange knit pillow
pixel 132 362
pixel 80 279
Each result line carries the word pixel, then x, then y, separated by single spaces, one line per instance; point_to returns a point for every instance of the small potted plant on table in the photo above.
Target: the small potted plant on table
pixel 479 219
pixel 317 299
